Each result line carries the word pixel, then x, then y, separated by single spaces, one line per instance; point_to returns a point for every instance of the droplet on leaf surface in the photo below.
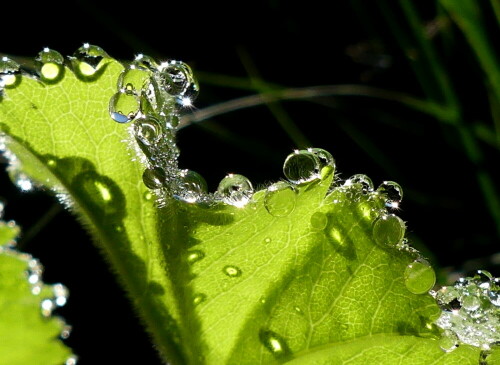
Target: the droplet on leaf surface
pixel 302 167
pixel 231 271
pixel 274 343
pixel 89 60
pixel 388 229
pixel 10 73
pixel 235 190
pixel 123 107
pixel 50 65
pixel 319 221
pixel 419 277
pixel 280 199
pixel 392 192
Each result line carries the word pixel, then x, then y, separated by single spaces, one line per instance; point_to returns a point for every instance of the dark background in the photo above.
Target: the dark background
pixel 312 43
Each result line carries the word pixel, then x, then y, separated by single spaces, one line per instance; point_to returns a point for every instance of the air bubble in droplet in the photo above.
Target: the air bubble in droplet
pixel 133 79
pixel 123 107
pixel 419 277
pixel 195 256
pixel 50 65
pixel 388 229
pixel 192 186
pixel 154 178
pixel 301 167
pixel 88 61
pixel 235 190
pixel 326 161
pixel 199 298
pixel 392 192
pixel 361 182
pixel 274 343
pixel 10 74
pixel 448 341
pixel 280 199
pixel 319 221
pixel 231 271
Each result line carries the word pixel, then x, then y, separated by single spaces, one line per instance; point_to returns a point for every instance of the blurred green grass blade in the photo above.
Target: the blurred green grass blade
pixel 467 14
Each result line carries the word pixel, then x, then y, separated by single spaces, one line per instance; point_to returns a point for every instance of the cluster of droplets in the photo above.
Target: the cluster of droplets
pixel 52 296
pixel 470 312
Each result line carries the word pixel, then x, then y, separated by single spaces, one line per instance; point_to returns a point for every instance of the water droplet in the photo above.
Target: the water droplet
pixel 195 256
pixel 50 65
pixel 298 310
pixel 47 306
pixel 361 182
pixel 154 178
pixel 267 240
pixel 388 230
pixel 192 186
pixel 448 341
pixel 235 190
pixel 301 167
pixel 231 271
pixel 123 107
pixel 471 303
pixel 72 360
pixel 133 79
pixel 20 179
pixel 89 61
pixel 199 298
pixel 10 74
pixel 280 199
pixel 419 277
pixel 319 220
pixel 177 79
pixel 274 343
pixel 148 130
pixel 326 161
pixel 146 62
pixel 66 332
pixel 61 294
pixel 393 193
pixel 147 195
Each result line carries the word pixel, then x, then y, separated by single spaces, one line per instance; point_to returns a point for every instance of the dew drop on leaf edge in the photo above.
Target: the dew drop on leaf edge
pixel 88 61
pixel 235 190
pixel 50 65
pixel 302 167
pixel 419 277
pixel 388 229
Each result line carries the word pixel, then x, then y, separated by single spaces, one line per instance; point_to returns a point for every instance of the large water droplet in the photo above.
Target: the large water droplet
pixel 301 167
pixel 154 178
pixel 280 199
pixel 123 106
pixel 326 161
pixel 388 230
pixel 448 341
pixel 192 186
pixel 195 256
pixel 419 277
pixel 177 79
pixel 146 62
pixel 89 61
pixel 361 182
pixel 274 343
pixel 10 74
pixel 133 79
pixel 235 190
pixel 231 271
pixel 392 192
pixel 319 221
pixel 50 65
pixel 148 130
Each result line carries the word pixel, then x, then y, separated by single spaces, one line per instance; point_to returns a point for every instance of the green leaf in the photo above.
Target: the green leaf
pixel 322 277
pixel 26 337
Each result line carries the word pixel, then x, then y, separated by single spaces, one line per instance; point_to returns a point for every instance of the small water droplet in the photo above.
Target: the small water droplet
pixel 274 343
pixel 280 199
pixel 195 256
pixel 192 186
pixel 301 167
pixel 123 106
pixel 231 271
pixel 235 190
pixel 154 178
pixel 388 229
pixel 448 341
pixel 50 65
pixel 199 298
pixel 133 79
pixel 148 195
pixel 72 360
pixel 361 182
pixel 66 332
pixel 298 310
pixel 326 161
pixel 88 61
pixel 47 306
pixel 319 221
pixel 10 73
pixel 419 277
pixel 267 240
pixel 393 193
pixel 148 130
pixel 20 179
